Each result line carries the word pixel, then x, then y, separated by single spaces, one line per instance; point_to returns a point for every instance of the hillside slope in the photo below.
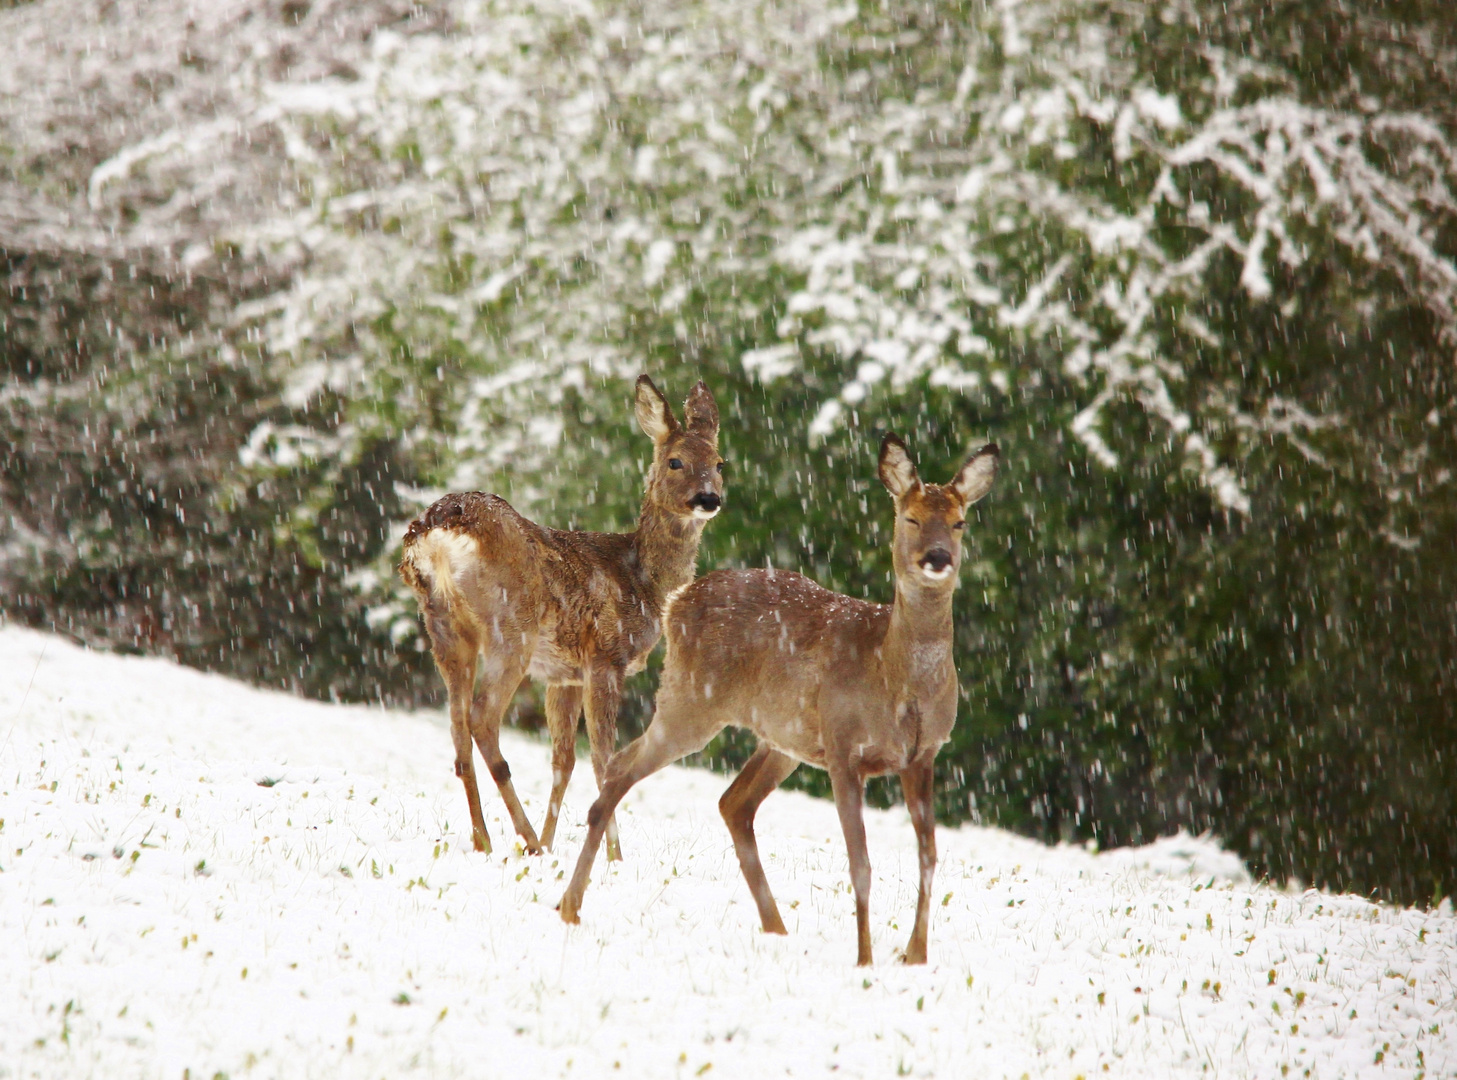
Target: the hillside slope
pixel 197 875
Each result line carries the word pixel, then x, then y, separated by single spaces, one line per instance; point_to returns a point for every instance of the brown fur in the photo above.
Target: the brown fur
pixel 855 688
pixel 578 611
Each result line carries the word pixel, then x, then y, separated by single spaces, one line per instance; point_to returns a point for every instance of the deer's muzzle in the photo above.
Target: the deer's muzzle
pixel 936 564
pixel 705 504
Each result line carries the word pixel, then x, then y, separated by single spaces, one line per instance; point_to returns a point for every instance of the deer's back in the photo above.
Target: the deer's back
pixel 569 595
pixel 758 648
pixel 771 611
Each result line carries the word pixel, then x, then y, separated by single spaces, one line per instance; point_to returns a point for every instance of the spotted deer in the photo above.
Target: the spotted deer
pixel 578 611
pixel 855 688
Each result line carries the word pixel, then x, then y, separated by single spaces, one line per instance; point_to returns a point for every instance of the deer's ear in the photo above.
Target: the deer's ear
pixel 976 476
pixel 897 472
pixel 701 412
pixel 652 411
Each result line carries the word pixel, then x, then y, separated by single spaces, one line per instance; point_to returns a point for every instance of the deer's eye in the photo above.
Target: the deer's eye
pixel 720 466
pixel 674 463
pixel 959 525
pixel 912 520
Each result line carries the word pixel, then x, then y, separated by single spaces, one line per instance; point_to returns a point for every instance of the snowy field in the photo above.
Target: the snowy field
pixel 198 878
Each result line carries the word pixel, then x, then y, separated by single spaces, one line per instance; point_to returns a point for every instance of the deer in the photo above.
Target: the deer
pixel 856 688
pixel 576 611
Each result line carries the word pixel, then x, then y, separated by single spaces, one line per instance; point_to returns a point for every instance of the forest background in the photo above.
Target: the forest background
pixel 277 273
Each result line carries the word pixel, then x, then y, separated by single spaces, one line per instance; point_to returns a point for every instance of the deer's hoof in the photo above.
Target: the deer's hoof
pixel 568 910
pixel 481 842
pixel 914 956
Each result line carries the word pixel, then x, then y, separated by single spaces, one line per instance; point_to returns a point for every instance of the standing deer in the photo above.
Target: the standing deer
pixel 854 688
pixel 578 611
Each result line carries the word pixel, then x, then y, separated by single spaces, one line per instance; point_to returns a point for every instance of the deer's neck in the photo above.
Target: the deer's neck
pixel 917 644
pixel 667 547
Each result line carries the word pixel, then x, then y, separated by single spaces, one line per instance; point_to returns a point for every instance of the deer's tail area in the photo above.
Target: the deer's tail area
pixel 433 560
pixel 444 542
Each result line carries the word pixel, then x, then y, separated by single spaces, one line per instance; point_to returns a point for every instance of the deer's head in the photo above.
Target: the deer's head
pixel 686 478
pixel 930 519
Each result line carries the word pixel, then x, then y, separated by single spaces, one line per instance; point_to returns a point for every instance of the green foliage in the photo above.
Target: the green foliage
pixel 129 525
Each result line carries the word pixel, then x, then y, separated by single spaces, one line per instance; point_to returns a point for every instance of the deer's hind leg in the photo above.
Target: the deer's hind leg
pixel 765 771
pixel 498 685
pixel 670 736
pixel 455 649
pixel 563 707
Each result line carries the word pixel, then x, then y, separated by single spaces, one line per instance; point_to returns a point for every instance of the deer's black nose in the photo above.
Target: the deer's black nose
pixel 705 500
pixel 937 559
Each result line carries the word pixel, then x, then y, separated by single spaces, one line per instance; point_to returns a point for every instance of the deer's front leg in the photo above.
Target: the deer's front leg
pixel 849 791
pixel 603 698
pixel 563 707
pixel 917 786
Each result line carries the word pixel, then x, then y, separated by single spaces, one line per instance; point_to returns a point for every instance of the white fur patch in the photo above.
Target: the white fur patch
pixel 671 598
pixel 937 575
pixel 445 554
pixel 703 515
pixel 931 653
pixel 458 548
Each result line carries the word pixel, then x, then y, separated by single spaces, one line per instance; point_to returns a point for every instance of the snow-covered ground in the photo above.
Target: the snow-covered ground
pixel 200 878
